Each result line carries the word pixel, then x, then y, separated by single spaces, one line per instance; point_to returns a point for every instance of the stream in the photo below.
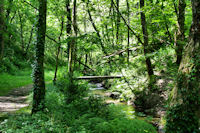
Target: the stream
pixel 98 90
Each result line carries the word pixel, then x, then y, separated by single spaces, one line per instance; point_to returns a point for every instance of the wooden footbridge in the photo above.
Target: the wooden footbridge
pixel 98 77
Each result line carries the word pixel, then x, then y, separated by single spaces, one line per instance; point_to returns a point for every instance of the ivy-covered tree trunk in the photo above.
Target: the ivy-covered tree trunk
pixel 180 38
pixel 184 113
pixel 2 28
pixel 145 45
pixel 38 73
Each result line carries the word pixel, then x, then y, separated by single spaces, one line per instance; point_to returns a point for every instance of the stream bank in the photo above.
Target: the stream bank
pixel 98 90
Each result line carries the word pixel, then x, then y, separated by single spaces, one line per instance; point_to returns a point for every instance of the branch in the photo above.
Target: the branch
pixel 30 39
pixel 175 8
pixel 125 79
pixel 30 5
pixel 52 39
pixel 13 17
pixel 46 34
pixel 95 28
pixel 137 36
pixel 85 65
pixel 121 51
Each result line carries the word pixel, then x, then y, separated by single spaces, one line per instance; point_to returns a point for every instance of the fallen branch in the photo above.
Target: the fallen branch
pixel 85 65
pixel 121 51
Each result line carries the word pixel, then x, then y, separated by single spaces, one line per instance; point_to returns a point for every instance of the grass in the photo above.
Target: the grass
pixel 81 116
pixel 18 79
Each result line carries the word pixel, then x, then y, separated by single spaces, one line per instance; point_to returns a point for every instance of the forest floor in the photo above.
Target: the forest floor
pixel 15 99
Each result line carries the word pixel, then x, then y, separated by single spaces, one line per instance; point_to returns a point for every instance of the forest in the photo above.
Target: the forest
pixel 100 66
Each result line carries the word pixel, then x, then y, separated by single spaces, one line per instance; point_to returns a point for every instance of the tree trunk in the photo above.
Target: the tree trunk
pixel 29 42
pixel 180 34
pixel 72 43
pixel 145 45
pixel 9 9
pixel 9 21
pixel 128 38
pixel 117 24
pixel 58 51
pixel 68 24
pixel 112 18
pixel 85 30
pixel 2 29
pixel 21 32
pixel 184 113
pixel 70 59
pixel 38 79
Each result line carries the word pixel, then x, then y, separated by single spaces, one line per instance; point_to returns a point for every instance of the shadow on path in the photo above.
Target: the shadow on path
pixel 15 99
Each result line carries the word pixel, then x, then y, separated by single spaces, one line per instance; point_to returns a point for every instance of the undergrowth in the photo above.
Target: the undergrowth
pixel 82 115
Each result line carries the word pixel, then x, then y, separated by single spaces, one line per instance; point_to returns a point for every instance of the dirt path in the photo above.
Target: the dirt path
pixel 15 99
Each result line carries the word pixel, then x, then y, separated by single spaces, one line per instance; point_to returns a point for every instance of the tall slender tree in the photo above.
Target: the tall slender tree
pixel 180 38
pixel 68 23
pixel 112 17
pixel 117 23
pixel 184 113
pixel 145 45
pixel 21 31
pixel 128 34
pixel 10 5
pixel 72 42
pixel 38 73
pixel 2 28
pixel 58 49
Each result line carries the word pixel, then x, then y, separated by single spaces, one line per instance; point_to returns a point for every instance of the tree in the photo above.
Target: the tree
pixel 145 45
pixel 128 38
pixel 21 31
pixel 117 23
pixel 58 50
pixel 2 28
pixel 38 73
pixel 180 38
pixel 72 42
pixel 184 113
pixel 68 23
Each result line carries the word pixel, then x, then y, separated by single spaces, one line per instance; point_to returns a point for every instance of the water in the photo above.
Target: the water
pixel 98 90
pixel 97 86
pixel 129 111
